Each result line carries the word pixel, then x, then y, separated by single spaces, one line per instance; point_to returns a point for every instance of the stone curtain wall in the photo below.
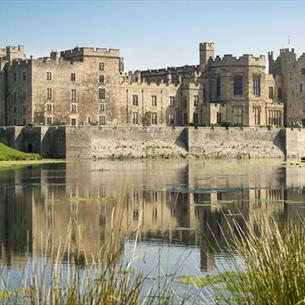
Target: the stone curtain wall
pixel 164 142
pixel 294 143
pixel 117 142
pixel 249 142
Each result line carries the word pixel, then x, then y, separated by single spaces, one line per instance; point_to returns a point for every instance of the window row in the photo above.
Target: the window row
pixel 172 102
pixel 23 76
pixel 73 121
pixel 14 109
pixel 152 119
pixel 21 97
pixel 238 85
pixel 73 107
pixel 49 76
pixel 275 117
pixel 49 94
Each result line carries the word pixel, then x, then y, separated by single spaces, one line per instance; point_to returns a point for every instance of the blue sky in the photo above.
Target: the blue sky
pixel 153 34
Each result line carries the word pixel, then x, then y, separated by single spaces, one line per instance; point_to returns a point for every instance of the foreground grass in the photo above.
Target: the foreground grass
pixel 274 260
pixel 11 154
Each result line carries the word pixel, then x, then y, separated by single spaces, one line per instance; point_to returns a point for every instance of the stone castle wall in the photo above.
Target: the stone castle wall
pixel 141 142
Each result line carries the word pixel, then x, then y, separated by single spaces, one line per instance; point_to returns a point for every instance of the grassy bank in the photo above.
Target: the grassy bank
pixel 11 154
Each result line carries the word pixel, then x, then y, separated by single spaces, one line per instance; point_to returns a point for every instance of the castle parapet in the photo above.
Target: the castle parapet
pixel 12 52
pixel 245 60
pixel 78 53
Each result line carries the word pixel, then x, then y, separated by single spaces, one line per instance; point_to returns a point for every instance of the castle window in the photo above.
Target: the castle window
pixel 271 92
pixel 218 118
pixel 73 77
pixel 154 100
pixel 135 100
pixel 49 93
pixel 49 75
pixel 303 71
pixel 73 108
pixel 101 94
pixel 154 118
pixel 102 107
pixel 171 119
pixel 301 88
pixel 172 101
pixel 195 118
pixel 14 77
pixel 279 93
pixel 275 117
pixel 73 122
pixel 102 120
pixel 49 107
pixel 135 214
pixel 24 76
pixel 257 114
pixel 238 85
pixel 101 79
pixel 238 115
pixel 15 97
pixel 218 87
pixel 49 120
pixel 196 100
pixel 257 85
pixel 24 95
pixel 154 214
pixel 73 94
pixel 135 118
pixel 102 66
pixel 14 110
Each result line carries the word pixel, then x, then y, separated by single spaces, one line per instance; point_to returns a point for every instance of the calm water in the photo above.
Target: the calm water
pixel 185 207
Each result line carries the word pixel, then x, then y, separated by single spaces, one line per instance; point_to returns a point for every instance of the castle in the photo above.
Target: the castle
pixel 87 86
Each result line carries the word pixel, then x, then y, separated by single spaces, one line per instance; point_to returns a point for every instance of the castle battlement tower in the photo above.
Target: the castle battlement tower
pixel 206 51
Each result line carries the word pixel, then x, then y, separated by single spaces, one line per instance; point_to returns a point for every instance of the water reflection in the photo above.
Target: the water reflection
pixel 180 203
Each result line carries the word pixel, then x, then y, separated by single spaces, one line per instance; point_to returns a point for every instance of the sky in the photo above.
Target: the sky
pixel 154 34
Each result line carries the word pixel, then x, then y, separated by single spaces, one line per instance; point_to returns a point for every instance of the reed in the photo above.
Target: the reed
pixel 269 268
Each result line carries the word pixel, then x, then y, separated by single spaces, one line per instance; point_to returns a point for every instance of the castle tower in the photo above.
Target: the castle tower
pixel 15 52
pixel 206 51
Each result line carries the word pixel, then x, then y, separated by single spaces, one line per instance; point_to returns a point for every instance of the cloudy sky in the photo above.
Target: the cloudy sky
pixel 154 34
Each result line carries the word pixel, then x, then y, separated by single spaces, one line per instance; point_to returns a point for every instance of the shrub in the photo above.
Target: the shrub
pixel 227 124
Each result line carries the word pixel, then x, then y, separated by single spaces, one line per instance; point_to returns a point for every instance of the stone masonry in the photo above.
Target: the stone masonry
pixel 87 86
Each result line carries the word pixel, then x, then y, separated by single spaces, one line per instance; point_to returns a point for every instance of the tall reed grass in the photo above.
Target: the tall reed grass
pixel 270 267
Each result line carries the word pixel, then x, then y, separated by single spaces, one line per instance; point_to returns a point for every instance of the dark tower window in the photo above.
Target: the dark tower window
pixel 218 87
pixel 238 85
pixel 271 92
pixel 257 85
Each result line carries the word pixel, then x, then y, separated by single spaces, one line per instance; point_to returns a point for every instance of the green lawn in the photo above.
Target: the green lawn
pixel 11 154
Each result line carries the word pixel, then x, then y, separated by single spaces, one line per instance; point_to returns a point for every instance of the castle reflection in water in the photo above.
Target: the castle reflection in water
pixel 187 203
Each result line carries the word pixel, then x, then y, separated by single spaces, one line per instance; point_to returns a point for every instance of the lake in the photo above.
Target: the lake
pixel 184 209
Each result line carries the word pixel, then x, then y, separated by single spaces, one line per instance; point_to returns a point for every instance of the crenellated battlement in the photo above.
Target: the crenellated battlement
pixel 12 52
pixel 135 78
pixel 181 69
pixel 287 51
pixel 206 46
pixel 81 52
pixel 17 48
pixel 244 60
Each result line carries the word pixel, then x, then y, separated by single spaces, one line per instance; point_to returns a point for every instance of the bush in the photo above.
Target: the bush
pixel 227 124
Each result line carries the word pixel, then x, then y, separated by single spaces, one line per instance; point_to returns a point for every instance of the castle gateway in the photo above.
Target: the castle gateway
pixel 87 86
